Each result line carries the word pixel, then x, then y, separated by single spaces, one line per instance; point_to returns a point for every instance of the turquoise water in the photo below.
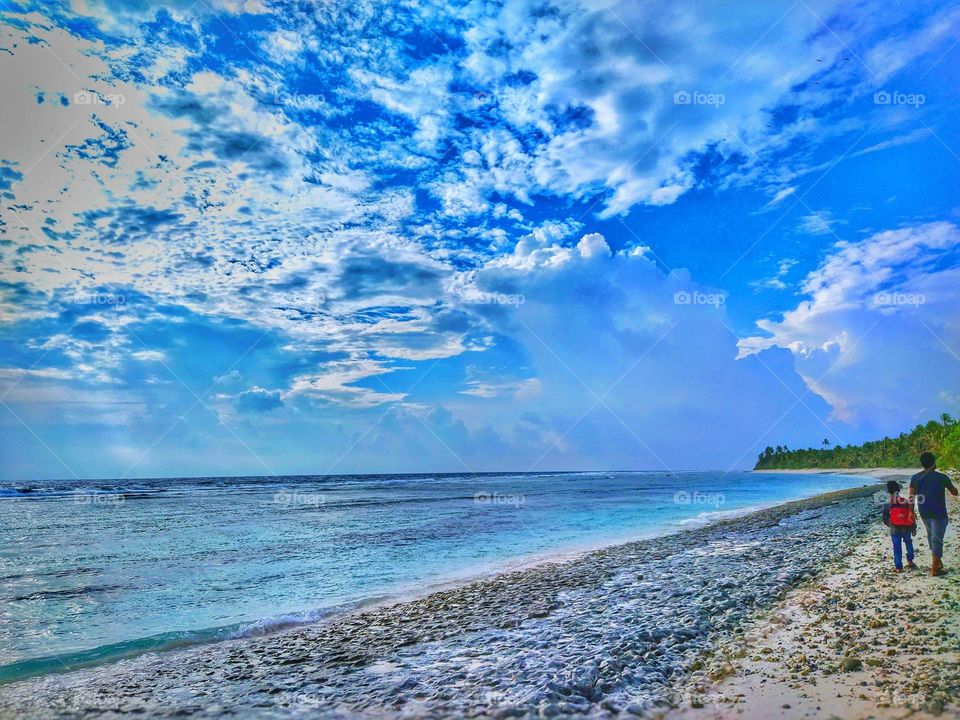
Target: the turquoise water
pixel 96 571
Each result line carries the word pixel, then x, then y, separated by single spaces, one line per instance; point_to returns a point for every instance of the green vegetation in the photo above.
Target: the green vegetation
pixel 939 437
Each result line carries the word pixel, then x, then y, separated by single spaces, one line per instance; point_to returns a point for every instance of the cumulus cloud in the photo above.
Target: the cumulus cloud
pixel 876 312
pixel 630 362
pixel 258 400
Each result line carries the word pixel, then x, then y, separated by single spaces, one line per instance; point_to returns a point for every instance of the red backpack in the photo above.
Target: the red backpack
pixel 901 514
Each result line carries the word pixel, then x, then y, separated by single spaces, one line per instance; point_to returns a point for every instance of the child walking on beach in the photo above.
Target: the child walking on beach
pixel 898 516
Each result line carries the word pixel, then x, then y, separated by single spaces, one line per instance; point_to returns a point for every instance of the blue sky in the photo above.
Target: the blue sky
pixel 248 237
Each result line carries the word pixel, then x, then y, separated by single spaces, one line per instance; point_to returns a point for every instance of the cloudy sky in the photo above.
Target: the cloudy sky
pixel 252 237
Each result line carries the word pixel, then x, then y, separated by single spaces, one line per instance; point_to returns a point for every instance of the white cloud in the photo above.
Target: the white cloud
pixel 820 222
pixel 891 55
pixel 149 356
pixel 878 333
pixel 776 281
pixel 623 356
pixel 335 383
pixel 913 136
pixel 494 387
pixel 423 97
pixel 779 197
pixel 224 195
pixel 621 68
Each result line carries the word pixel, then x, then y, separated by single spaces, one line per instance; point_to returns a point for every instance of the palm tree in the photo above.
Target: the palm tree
pixel 940 437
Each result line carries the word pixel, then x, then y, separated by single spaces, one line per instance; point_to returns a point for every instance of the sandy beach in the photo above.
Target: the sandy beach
pixel 859 642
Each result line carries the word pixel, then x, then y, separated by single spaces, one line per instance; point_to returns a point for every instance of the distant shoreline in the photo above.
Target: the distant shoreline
pixel 881 473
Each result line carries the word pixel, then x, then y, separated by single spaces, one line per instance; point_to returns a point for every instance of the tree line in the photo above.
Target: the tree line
pixel 941 437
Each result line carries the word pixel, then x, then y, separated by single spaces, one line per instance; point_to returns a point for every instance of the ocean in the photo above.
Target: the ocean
pixel 95 571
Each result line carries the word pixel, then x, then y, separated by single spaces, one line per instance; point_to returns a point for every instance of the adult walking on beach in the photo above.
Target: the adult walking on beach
pixel 928 489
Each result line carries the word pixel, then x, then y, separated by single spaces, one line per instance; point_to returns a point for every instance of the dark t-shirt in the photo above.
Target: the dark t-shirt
pixel 930 487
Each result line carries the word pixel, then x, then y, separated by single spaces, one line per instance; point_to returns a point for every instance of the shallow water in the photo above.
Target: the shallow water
pixel 96 571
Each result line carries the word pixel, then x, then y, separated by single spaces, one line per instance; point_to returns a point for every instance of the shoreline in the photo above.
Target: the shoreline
pixel 541 622
pixel 860 643
pixel 179 639
pixel 880 473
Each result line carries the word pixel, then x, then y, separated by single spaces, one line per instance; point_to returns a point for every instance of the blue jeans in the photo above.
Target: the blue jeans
pixel 898 537
pixel 936 529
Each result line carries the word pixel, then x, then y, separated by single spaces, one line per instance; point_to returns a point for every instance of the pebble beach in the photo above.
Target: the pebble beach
pixel 629 630
pixel 858 642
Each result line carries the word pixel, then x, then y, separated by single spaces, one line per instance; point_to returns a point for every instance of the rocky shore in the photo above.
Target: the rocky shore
pixel 611 632
pixel 860 642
